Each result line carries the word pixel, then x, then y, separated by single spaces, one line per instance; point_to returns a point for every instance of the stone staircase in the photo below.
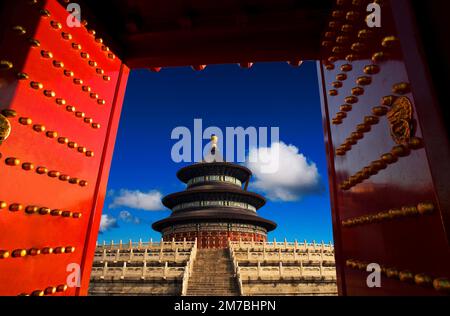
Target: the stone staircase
pixel 212 274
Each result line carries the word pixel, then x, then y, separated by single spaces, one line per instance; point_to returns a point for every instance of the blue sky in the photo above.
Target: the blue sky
pixel 267 95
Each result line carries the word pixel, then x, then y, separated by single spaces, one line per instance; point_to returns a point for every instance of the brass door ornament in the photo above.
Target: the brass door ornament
pixel 5 128
pixel 401 120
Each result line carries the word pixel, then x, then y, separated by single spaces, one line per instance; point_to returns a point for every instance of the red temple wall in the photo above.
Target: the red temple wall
pixel 215 239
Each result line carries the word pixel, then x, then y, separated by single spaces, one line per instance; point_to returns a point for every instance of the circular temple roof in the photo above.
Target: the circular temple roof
pixel 214 168
pixel 213 194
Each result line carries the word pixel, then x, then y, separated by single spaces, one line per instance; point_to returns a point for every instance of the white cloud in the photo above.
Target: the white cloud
pixel 293 178
pixel 150 201
pixel 129 218
pixel 107 222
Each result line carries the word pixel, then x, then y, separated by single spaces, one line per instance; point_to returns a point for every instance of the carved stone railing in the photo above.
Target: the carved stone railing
pixel 236 269
pixel 275 260
pixel 188 269
pixel 135 273
pixel 281 272
pixel 136 261
pixel 289 255
pixel 149 256
pixel 302 246
pixel 140 245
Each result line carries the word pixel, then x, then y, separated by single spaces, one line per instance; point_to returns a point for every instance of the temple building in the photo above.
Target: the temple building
pixel 214 243
pixel 214 207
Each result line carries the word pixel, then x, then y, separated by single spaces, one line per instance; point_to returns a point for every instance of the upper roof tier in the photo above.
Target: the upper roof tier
pixel 214 169
pixel 214 193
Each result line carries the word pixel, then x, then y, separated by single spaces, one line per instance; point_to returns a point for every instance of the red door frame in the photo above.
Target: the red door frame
pixel 100 192
pixel 436 146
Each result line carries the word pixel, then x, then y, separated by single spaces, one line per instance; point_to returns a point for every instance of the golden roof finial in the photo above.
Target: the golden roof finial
pixel 214 140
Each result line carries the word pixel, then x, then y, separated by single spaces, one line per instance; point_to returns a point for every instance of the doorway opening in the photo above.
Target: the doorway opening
pixel 169 114
pixel 271 95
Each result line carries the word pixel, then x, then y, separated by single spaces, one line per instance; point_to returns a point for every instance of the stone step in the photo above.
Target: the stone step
pixel 211 294
pixel 207 290
pixel 198 269
pixel 206 268
pixel 210 254
pixel 203 292
pixel 215 261
pixel 205 271
pixel 213 257
pixel 212 274
pixel 212 279
pixel 212 267
pixel 209 280
pixel 211 285
pixel 218 277
pixel 211 264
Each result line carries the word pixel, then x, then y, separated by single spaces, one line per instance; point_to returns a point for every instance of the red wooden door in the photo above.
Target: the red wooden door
pixel 61 92
pixel 388 154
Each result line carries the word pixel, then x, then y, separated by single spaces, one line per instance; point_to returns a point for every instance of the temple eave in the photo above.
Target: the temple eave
pixel 214 217
pixel 215 168
pixel 237 195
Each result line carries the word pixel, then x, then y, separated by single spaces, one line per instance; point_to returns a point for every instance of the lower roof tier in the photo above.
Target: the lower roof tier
pixel 213 215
